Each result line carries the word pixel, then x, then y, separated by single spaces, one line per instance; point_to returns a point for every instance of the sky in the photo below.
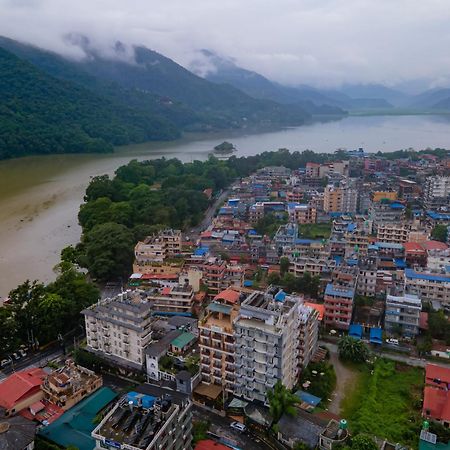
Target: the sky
pixel 323 43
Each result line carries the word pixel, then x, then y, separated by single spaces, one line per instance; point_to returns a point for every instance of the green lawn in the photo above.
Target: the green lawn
pixel 386 403
pixel 315 230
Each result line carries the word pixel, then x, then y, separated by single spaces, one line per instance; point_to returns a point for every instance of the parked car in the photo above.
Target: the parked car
pixel 16 356
pixel 392 341
pixel 5 362
pixel 23 353
pixel 238 426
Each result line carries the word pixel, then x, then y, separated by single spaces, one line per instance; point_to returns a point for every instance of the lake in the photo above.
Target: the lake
pixel 40 196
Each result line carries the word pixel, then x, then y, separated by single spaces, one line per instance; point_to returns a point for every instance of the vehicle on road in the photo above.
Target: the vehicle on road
pixel 16 356
pixel 238 426
pixel 392 341
pixel 23 353
pixel 5 362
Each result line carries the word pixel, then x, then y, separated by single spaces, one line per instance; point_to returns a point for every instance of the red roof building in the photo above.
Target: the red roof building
pixel 437 376
pixel 435 245
pixel 229 296
pixel 436 405
pixel 415 254
pixel 318 307
pixel 209 444
pixel 21 389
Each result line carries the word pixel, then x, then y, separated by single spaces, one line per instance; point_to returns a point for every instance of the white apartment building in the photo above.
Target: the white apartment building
pixel 154 249
pixel 267 340
pixel 436 191
pixel 309 334
pixel 119 328
pixel 396 233
pixel 171 299
pixel 438 260
pixel 431 287
pixel 402 314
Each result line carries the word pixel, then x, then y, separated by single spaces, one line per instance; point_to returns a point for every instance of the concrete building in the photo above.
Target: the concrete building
pixel 267 341
pixel 431 287
pixel 338 302
pixel 217 342
pixel 171 299
pixel 332 199
pixel 438 260
pixel 119 328
pixel 402 314
pixel 386 211
pixel 393 232
pixel 155 249
pixel 436 192
pixel 16 433
pixel 155 419
pixel 314 266
pixel 302 213
pixel 69 385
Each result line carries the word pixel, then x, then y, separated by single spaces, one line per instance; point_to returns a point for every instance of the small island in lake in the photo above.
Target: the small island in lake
pixel 225 147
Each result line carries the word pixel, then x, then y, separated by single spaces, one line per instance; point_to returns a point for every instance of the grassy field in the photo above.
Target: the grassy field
pixel 315 230
pixel 386 403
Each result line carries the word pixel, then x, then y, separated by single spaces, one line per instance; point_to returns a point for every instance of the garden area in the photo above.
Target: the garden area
pixel 315 230
pixel 386 402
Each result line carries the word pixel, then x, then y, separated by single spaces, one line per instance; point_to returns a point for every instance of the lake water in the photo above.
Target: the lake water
pixel 40 196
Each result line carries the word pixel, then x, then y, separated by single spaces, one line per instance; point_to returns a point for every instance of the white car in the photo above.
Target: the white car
pixel 23 353
pixel 392 341
pixel 238 426
pixel 16 356
pixel 5 362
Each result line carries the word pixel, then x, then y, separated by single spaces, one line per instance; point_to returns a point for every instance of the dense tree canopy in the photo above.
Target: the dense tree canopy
pixel 281 401
pixel 351 349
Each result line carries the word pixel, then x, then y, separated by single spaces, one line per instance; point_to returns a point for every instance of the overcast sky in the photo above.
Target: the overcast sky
pixel 319 42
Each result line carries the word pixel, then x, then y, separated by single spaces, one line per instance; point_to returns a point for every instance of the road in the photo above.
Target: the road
pixel 208 216
pixel 221 426
pixel 411 360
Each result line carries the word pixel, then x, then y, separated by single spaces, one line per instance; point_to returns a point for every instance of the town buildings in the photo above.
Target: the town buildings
pixel 402 314
pixel 119 328
pixel 436 192
pixel 338 301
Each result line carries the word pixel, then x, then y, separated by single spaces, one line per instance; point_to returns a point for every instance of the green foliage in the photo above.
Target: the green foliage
pixel 269 224
pixel 225 147
pixel 315 230
pixel 352 350
pixel 42 115
pixel 362 300
pixel 192 364
pixel 42 444
pixel 300 446
pixel 321 385
pixel 363 442
pixel 281 401
pixel 45 311
pixel 284 265
pixel 384 403
pixel 199 429
pixel 439 233
pixel 439 326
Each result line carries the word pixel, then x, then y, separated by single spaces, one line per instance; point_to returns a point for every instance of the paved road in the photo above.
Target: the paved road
pixel 411 360
pixel 221 427
pixel 208 216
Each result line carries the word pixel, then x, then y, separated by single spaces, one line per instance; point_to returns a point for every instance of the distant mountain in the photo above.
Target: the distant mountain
pixel 315 101
pixel 225 71
pixel 374 91
pixel 433 99
pixel 42 114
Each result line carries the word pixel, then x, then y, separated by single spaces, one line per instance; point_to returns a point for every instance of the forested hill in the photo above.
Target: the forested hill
pixel 40 114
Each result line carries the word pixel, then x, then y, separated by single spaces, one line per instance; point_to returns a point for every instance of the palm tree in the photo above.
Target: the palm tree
pixel 281 401
pixel 351 349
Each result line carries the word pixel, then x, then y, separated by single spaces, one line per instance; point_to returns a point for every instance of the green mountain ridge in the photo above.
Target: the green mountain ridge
pixel 40 114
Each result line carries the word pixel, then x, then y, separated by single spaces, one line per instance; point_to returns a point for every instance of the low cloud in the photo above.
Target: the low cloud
pixel 318 42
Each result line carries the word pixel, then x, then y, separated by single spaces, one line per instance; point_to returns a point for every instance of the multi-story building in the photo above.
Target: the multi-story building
pixel 154 420
pixel 314 266
pixel 217 341
pixel 430 287
pixel 436 191
pixel 119 328
pixel 302 213
pixel 408 190
pixel 367 278
pixel 309 334
pixel 386 211
pixel 213 275
pixel 260 209
pixel 332 199
pixel 171 299
pixel 378 196
pixel 438 260
pixel 267 341
pixel 402 314
pixel 286 235
pixel 154 249
pixel 338 302
pixel 70 384
pixel 393 232
pixel 349 199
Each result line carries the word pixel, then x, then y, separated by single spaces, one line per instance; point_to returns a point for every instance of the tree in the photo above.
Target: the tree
pixel 109 251
pixel 284 265
pixel 9 340
pixel 351 349
pixel 439 233
pixel 281 401
pixel 363 442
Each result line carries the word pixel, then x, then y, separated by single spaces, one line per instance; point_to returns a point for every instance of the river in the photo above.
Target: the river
pixel 40 196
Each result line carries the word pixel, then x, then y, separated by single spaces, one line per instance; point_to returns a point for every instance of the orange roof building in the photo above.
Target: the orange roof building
pixel 209 444
pixel 318 307
pixel 21 389
pixel 436 405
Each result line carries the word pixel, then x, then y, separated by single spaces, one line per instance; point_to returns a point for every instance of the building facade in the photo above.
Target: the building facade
pixel 402 314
